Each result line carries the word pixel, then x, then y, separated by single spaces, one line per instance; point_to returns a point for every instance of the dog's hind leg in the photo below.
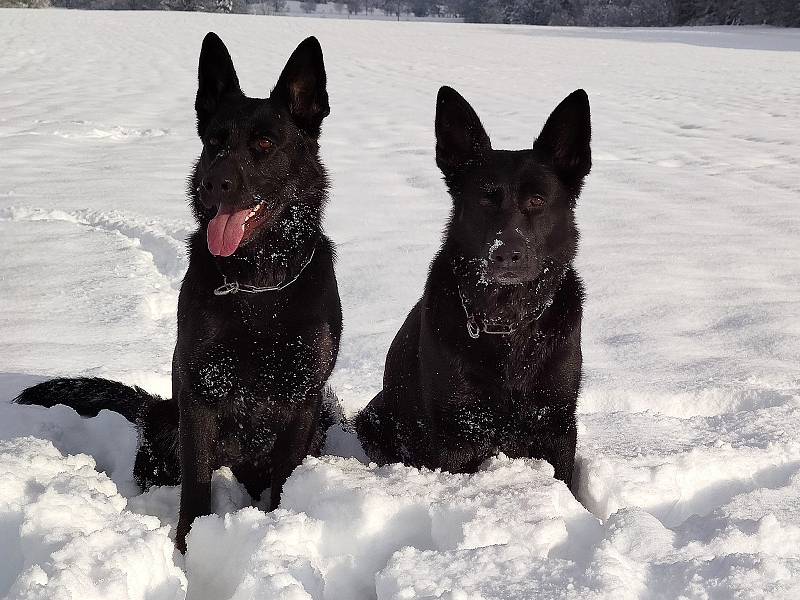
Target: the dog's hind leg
pixel 157 460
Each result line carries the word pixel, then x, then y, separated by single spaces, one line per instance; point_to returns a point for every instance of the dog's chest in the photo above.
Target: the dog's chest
pixel 257 319
pixel 241 371
pixel 497 397
pixel 258 391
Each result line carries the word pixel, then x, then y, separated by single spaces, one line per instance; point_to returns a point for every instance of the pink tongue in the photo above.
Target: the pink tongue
pixel 225 231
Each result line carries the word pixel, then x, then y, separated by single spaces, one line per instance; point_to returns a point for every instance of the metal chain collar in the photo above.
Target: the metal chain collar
pixel 492 327
pixel 235 287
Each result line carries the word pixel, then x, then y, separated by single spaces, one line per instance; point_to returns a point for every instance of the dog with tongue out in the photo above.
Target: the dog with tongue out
pixel 259 317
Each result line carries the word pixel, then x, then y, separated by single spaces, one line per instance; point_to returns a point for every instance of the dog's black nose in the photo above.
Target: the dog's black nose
pixel 225 185
pixel 220 184
pixel 508 259
pixel 506 254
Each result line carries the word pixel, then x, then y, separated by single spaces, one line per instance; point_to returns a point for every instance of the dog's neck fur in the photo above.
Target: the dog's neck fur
pixel 511 304
pixel 275 255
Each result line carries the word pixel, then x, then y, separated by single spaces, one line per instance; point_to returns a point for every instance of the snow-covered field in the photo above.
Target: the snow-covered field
pixel 689 448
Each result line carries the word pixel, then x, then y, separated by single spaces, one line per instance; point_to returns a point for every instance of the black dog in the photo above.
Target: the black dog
pixel 259 318
pixel 489 360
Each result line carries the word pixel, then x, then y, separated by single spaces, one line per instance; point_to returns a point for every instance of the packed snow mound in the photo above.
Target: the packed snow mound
pixel 341 522
pixel 355 531
pixel 65 533
pixel 108 438
pixel 510 531
pixel 705 520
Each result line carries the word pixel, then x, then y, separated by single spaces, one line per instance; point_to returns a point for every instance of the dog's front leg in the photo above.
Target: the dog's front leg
pixel 554 403
pixel 562 451
pixel 199 433
pixel 295 443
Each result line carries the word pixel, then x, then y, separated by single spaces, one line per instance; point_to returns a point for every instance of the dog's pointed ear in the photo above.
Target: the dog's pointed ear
pixel 302 87
pixel 565 138
pixel 460 136
pixel 216 78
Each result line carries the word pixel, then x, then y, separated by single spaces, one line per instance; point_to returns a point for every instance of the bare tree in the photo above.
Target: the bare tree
pixel 394 7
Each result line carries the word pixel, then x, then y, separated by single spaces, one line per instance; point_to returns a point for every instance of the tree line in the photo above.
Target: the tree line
pixel 633 13
pixel 619 13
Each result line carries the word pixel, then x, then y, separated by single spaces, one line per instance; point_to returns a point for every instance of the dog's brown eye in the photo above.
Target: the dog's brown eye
pixel 264 144
pixel 535 202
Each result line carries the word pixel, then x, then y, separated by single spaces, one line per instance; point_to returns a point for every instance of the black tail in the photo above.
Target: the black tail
pixel 156 420
pixel 89 395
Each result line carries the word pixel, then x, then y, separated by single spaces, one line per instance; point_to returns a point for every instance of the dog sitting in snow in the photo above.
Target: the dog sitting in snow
pixel 259 318
pixel 489 360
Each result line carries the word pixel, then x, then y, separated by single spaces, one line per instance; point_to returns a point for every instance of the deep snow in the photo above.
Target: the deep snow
pixel 689 441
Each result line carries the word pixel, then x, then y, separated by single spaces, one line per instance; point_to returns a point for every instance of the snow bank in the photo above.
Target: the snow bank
pixel 65 533
pixel 108 438
pixel 675 468
pixel 511 531
pixel 348 530
pixel 342 522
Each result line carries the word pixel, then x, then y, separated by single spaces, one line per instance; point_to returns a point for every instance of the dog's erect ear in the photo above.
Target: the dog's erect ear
pixel 460 136
pixel 565 138
pixel 216 78
pixel 302 89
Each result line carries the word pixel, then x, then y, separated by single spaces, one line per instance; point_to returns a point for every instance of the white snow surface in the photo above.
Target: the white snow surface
pixel 688 474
